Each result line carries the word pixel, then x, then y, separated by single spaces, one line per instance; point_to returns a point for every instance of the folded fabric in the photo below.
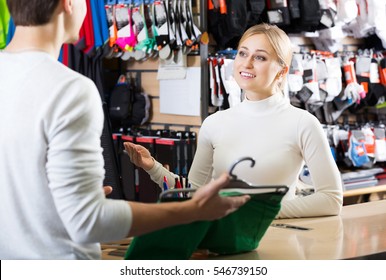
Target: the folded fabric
pixel 242 230
pixel 238 232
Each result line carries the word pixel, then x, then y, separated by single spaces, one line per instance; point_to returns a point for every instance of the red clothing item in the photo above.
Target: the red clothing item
pixel 86 40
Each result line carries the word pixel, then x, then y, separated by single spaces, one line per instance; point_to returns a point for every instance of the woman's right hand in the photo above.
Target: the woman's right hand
pixel 139 155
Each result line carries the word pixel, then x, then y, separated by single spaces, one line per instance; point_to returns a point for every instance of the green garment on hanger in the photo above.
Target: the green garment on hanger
pixel 238 232
pixel 4 21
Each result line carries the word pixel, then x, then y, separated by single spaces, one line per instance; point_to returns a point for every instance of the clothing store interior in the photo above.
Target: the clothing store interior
pixel 286 97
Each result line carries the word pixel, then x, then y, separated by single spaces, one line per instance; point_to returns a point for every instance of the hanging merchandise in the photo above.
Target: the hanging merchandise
pixel 86 41
pixel 362 146
pixel 181 36
pixel 223 92
pixel 152 50
pixel 121 100
pixel 143 29
pixel 99 23
pixel 377 18
pixel 278 12
pixel 357 150
pixel 328 13
pixel 231 87
pixel 380 144
pixel 361 26
pixel 218 100
pixel 368 76
pixel 193 34
pixel 192 29
pixel 353 91
pixel 126 39
pixel 177 35
pixel 365 18
pixel 329 34
pixel 369 140
pixel 295 74
pixel 334 78
pixel 227 21
pixel 141 106
pixel 311 12
pixel 311 94
pixel 321 77
pixel 309 16
pixel 86 55
pixel 347 10
pixel 294 9
pixel 172 30
pixel 377 91
pixel 162 27
pixel 142 48
pixel 333 106
pixel 382 70
pixel 216 97
pixel 257 7
pixel 112 24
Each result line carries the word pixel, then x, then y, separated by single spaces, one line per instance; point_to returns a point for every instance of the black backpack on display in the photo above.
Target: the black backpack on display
pixel 128 106
pixel 121 100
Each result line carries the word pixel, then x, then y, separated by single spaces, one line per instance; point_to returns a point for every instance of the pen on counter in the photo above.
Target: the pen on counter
pixel 188 186
pixel 165 184
pixel 178 186
pixel 290 226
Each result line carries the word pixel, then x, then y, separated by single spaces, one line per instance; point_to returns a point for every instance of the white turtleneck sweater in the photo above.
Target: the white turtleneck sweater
pixel 281 138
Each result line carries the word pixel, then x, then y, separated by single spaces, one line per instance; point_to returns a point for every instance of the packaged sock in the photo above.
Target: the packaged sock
pixel 369 140
pixel 278 12
pixel 124 29
pixel 295 75
pixel 110 14
pixel 357 150
pixel 140 31
pixel 347 10
pixel 334 78
pixel 382 71
pixel 380 144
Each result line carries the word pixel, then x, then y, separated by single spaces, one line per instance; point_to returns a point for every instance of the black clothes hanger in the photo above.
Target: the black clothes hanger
pixel 237 183
pixel 240 186
pixel 235 187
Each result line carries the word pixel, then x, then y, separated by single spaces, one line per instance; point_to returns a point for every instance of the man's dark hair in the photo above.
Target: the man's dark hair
pixel 31 12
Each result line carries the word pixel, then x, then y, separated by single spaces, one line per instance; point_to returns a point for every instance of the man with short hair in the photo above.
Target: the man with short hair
pixel 52 204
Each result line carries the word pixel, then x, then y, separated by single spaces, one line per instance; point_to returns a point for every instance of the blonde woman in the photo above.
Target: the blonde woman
pixel 265 126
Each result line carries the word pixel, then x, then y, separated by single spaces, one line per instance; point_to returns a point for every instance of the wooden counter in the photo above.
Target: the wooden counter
pixel 366 190
pixel 359 231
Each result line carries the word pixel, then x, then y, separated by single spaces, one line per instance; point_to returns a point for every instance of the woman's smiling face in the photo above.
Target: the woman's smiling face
pixel 256 67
